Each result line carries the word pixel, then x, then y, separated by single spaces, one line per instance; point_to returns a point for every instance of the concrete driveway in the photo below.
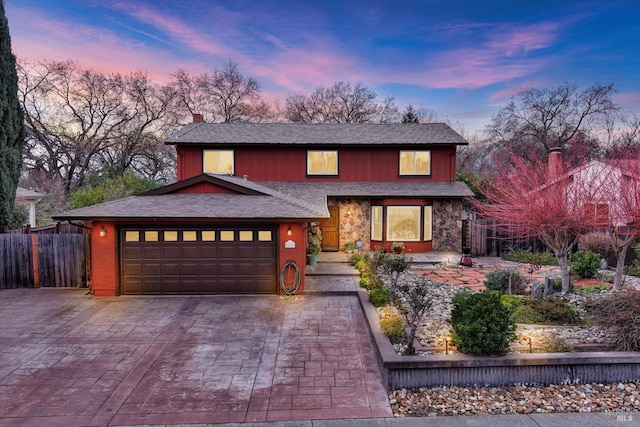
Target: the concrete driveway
pixel 69 359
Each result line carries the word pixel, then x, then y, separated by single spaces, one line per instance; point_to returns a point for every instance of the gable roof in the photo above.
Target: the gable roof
pixel 316 134
pixel 251 201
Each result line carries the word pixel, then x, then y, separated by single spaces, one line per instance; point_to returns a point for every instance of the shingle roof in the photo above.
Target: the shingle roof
pixel 316 134
pixel 373 189
pixel 277 200
pixel 197 207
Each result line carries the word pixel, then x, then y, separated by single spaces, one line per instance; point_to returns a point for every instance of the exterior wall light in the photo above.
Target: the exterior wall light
pixel 103 232
pixel 289 231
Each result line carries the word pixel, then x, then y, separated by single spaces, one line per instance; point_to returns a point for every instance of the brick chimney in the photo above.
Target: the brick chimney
pixel 197 118
pixel 555 162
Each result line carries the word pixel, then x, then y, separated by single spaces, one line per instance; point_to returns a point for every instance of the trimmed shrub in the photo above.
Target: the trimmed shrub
pixel 554 310
pixel 498 280
pixel 620 314
pixel 393 328
pixel 481 324
pixel 585 264
pixel 527 257
pixel 526 314
pixel 394 266
pixel 379 297
pixel 599 243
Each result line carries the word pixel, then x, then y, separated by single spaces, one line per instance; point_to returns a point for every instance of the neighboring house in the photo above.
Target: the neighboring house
pixel 29 199
pixel 247 193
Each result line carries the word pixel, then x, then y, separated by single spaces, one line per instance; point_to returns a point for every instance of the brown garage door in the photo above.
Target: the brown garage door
pixel 198 261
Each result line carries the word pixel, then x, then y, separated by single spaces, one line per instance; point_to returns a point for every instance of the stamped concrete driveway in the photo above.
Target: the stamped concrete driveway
pixel 70 359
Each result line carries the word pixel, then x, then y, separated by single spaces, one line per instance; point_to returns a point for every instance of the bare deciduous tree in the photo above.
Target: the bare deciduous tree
pixel 537 120
pixel 340 103
pixel 79 121
pixel 224 96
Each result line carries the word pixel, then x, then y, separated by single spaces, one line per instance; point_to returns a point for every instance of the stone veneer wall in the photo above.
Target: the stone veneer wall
pixel 447 225
pixel 356 225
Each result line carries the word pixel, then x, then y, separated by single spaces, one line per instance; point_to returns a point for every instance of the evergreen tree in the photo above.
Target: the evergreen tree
pixel 410 115
pixel 12 130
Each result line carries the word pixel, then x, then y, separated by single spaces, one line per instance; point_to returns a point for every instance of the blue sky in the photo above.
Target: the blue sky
pixel 463 59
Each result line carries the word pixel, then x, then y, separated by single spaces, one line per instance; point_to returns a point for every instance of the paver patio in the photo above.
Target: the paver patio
pixel 70 359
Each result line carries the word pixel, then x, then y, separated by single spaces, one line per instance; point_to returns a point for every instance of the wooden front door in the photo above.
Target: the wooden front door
pixel 330 231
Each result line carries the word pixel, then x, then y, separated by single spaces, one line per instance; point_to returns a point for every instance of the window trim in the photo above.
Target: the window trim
pixel 233 161
pixel 323 173
pixel 373 236
pixel 414 172
pixel 418 228
pixel 427 233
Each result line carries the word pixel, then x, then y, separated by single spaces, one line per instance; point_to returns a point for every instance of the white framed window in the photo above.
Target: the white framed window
pixel 403 223
pixel 428 223
pixel 322 162
pixel 376 222
pixel 415 162
pixel 218 162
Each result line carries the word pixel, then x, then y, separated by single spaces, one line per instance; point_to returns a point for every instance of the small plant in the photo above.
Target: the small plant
pixel 394 266
pixel 393 328
pixel 410 298
pixel 506 281
pixel 379 297
pixel 592 289
pixel 481 324
pixel 555 344
pixel 361 265
pixel 585 264
pixel 350 247
pixel 397 247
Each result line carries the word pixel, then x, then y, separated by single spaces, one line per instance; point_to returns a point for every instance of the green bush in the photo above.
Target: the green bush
pixel 379 297
pixel 527 257
pixel 585 264
pixel 527 314
pixel 592 289
pixel 554 310
pixel 481 324
pixel 394 266
pixel 393 328
pixel 498 280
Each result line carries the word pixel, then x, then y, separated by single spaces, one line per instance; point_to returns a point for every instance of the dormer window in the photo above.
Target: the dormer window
pixel 218 162
pixel 415 162
pixel 322 162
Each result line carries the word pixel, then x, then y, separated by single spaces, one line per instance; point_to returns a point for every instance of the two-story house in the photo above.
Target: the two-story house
pixel 247 193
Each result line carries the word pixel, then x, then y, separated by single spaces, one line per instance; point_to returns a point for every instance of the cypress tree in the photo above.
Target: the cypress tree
pixel 12 130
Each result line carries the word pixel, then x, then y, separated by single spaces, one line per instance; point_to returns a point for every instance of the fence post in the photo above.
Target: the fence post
pixel 36 268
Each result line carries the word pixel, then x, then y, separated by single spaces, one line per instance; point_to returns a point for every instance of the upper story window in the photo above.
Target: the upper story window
pixel 415 162
pixel 322 162
pixel 218 161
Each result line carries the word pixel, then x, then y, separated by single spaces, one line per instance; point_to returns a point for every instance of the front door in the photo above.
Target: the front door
pixel 330 231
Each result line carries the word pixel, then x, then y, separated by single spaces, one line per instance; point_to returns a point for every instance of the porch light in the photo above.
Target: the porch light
pixel 103 232
pixel 289 231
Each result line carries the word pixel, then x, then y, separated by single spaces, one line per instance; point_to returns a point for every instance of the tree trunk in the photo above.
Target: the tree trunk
pixel 563 260
pixel 410 337
pixel 617 281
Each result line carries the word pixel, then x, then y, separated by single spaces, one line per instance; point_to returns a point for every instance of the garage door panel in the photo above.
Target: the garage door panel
pixel 227 268
pixel 189 252
pixel 246 252
pixel 226 261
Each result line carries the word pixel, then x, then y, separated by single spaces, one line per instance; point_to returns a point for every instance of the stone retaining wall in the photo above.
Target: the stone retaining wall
pixel 463 370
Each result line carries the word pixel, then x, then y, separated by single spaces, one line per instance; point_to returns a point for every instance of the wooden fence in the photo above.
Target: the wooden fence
pixel 487 239
pixel 44 260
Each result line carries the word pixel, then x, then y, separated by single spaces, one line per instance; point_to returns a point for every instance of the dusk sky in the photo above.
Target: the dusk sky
pixel 463 59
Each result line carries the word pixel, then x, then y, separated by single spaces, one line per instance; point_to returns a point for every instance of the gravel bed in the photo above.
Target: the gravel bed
pixel 435 328
pixel 519 399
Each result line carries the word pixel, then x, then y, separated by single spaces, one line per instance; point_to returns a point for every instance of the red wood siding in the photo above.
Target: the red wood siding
pixel 104 260
pixel 204 187
pixel 356 164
